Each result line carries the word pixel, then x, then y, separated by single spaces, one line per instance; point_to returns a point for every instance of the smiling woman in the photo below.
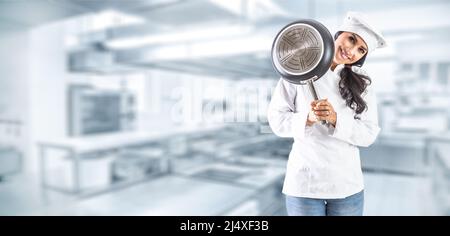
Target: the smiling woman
pixel 324 174
pixel 350 48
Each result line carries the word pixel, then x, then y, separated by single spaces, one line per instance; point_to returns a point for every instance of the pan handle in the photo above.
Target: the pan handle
pixel 314 93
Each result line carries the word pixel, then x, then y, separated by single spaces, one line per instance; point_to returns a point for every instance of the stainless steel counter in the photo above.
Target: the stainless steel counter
pixel 169 195
pixel 403 152
pixel 95 143
pixel 240 174
pixel 78 149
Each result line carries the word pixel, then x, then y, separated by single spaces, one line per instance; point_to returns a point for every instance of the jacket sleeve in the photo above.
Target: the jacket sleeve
pixel 359 132
pixel 284 119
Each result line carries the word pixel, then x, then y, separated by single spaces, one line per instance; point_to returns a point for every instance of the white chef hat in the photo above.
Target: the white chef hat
pixel 355 22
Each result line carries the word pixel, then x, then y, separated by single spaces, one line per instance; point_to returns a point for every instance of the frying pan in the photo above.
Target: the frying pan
pixel 302 52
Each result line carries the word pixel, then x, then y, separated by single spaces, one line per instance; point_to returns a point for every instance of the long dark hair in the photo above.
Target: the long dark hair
pixel 352 85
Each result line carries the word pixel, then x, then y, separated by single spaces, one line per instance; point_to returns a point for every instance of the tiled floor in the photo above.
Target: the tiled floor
pixel 385 194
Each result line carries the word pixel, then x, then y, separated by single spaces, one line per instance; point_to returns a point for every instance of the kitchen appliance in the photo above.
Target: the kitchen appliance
pixel 94 111
pixel 302 52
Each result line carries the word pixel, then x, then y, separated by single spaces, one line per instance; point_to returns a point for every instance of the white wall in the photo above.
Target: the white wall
pixel 47 84
pixel 14 90
pixel 33 82
pixel 13 57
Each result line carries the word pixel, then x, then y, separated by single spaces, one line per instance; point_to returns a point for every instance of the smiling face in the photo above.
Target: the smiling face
pixel 349 48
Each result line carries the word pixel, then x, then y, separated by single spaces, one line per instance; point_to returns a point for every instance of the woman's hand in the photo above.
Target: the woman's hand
pixel 323 110
pixel 311 118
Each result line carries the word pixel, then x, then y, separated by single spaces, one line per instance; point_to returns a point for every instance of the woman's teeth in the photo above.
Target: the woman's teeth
pixel 343 55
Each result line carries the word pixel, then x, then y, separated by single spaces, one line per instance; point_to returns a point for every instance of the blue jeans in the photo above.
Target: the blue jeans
pixel 350 206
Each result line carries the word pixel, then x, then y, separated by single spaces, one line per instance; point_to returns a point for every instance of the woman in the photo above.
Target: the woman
pixel 324 174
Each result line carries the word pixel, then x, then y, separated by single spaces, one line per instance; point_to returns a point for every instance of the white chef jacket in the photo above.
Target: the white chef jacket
pixel 324 161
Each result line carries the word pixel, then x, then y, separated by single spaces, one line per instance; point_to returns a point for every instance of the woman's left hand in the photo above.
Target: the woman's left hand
pixel 324 111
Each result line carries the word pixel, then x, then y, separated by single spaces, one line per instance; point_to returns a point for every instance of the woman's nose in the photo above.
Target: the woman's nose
pixel 351 53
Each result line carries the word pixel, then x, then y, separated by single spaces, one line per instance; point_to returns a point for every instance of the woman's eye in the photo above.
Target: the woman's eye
pixel 362 51
pixel 352 39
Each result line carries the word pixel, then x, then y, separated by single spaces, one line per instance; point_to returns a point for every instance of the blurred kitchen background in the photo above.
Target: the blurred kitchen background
pixel 158 107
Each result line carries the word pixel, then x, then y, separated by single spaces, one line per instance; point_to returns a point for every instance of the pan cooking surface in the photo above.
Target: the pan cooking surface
pixel 299 49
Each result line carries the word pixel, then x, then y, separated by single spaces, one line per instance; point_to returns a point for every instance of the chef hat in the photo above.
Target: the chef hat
pixel 356 23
